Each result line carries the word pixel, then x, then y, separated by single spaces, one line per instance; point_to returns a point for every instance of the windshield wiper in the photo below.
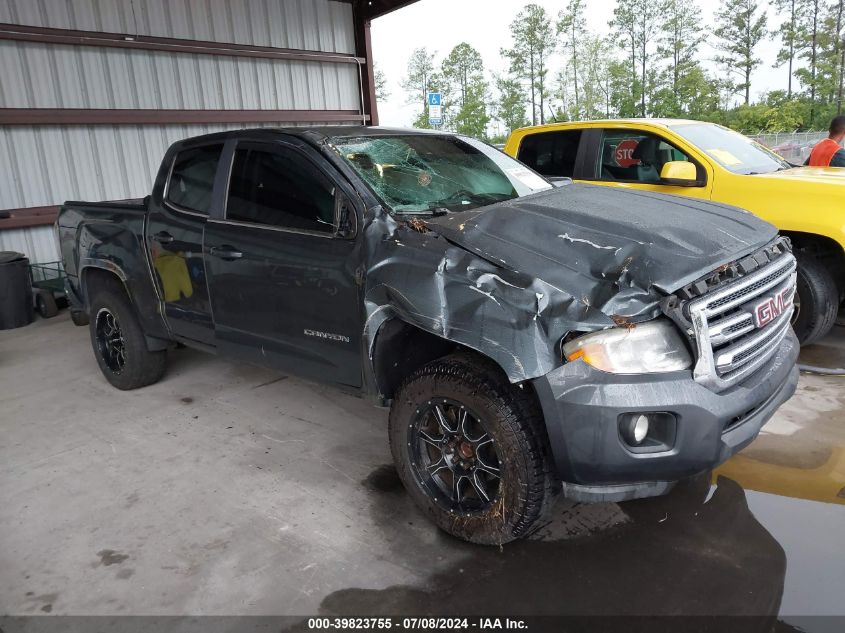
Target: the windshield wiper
pixel 466 198
pixel 431 211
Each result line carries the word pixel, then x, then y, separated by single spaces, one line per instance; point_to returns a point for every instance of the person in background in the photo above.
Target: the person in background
pixel 829 152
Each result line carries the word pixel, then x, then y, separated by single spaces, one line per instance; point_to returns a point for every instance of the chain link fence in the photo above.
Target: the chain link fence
pixel 793 146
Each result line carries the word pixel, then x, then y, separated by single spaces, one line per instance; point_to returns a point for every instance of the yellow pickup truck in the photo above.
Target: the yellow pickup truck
pixel 704 160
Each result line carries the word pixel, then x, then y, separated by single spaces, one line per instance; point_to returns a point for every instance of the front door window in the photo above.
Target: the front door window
pixel 634 157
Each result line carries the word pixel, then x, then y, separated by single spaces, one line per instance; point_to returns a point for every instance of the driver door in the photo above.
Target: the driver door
pixel 281 273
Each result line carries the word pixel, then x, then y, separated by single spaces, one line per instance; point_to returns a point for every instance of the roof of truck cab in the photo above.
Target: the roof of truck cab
pixel 312 134
pixel 615 122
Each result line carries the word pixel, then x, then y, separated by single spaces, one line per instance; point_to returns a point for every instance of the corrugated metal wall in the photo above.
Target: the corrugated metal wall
pixel 317 25
pixel 37 242
pixel 39 75
pixel 50 164
pixel 45 165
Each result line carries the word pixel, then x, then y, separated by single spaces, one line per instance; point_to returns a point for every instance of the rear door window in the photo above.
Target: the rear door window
pixel 192 178
pixel 279 187
pixel 551 153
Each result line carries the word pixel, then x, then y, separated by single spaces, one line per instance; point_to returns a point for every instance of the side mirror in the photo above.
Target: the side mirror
pixel 679 173
pixel 347 224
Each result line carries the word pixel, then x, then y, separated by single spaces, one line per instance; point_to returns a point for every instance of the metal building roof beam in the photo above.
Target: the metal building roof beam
pixel 150 116
pixel 167 44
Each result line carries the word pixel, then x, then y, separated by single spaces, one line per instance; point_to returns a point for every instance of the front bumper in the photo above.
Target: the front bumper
pixel 582 407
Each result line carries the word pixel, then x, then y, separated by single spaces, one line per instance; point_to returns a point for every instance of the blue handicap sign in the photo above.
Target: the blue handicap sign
pixel 434 98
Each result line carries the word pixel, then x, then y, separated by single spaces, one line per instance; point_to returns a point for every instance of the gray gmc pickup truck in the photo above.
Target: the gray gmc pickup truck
pixel 530 337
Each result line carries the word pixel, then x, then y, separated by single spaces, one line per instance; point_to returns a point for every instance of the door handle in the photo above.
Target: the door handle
pixel 225 252
pixel 163 237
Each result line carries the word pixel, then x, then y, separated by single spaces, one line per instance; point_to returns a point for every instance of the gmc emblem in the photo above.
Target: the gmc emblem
pixel 769 309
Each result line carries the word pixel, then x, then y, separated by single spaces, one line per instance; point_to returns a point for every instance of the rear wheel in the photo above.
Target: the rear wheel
pixel 471 450
pixel 816 302
pixel 119 344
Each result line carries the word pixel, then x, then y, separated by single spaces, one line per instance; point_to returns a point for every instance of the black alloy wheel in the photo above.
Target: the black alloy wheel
pixel 454 457
pixel 110 342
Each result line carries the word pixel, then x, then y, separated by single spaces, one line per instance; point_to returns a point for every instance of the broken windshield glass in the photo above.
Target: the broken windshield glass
pixel 431 174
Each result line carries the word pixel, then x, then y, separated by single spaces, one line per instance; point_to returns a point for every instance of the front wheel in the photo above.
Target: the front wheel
pixel 471 450
pixel 119 344
pixel 816 301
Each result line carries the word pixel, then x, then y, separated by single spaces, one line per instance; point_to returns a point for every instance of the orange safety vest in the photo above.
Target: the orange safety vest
pixel 823 153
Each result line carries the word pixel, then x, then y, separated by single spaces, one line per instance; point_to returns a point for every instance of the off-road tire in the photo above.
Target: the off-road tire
pixel 46 304
pixel 512 416
pixel 79 318
pixel 819 297
pixel 142 367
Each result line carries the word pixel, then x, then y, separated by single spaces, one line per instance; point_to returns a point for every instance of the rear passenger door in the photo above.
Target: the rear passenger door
pixel 555 154
pixel 281 274
pixel 175 239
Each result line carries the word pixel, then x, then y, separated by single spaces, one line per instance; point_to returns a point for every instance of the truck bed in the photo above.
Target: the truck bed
pixel 107 237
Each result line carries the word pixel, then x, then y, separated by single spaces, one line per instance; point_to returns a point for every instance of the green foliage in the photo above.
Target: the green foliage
pixel 653 63
pixel 472 117
pixel 465 91
pixel 636 24
pixel 741 26
pixel 788 32
pixel 382 92
pixel 533 43
pixel 679 41
pixel 807 47
pixel 510 107
pixel 572 31
pixel 417 82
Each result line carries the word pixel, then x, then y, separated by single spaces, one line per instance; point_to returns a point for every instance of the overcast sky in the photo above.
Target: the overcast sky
pixel 440 25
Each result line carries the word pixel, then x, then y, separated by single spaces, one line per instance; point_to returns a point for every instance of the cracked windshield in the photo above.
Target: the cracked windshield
pixel 431 174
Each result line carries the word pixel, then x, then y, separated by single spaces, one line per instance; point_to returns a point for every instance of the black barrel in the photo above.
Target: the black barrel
pixel 15 291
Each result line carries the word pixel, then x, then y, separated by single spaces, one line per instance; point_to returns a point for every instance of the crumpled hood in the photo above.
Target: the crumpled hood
pixel 611 247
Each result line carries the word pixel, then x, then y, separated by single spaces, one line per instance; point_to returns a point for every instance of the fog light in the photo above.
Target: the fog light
pixel 648 432
pixel 635 429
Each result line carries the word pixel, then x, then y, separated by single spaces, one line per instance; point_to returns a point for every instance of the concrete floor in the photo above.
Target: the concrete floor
pixel 227 489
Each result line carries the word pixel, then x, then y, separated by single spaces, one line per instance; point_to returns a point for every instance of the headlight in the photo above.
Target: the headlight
pixel 647 348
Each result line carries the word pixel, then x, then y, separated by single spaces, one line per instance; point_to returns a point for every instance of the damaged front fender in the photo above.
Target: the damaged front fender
pixel 512 279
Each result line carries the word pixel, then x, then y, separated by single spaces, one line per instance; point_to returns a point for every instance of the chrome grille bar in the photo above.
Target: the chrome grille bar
pixel 753 285
pixel 731 347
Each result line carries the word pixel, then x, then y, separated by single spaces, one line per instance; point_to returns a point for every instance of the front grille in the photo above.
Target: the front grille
pixel 729 342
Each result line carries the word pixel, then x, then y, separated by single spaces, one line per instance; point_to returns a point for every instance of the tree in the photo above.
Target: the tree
pixel 788 32
pixel 572 29
pixel 636 24
pixel 808 49
pixel 420 69
pixel 510 108
pixel 678 42
pixel 597 85
pixel 419 81
pixel 533 43
pixel 463 79
pixel 740 28
pixel 623 97
pixel 382 92
pixel 472 117
pixel 462 69
pixel 833 51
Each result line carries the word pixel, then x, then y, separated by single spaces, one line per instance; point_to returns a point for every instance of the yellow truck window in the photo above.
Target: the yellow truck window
pixel 551 153
pixel 634 156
